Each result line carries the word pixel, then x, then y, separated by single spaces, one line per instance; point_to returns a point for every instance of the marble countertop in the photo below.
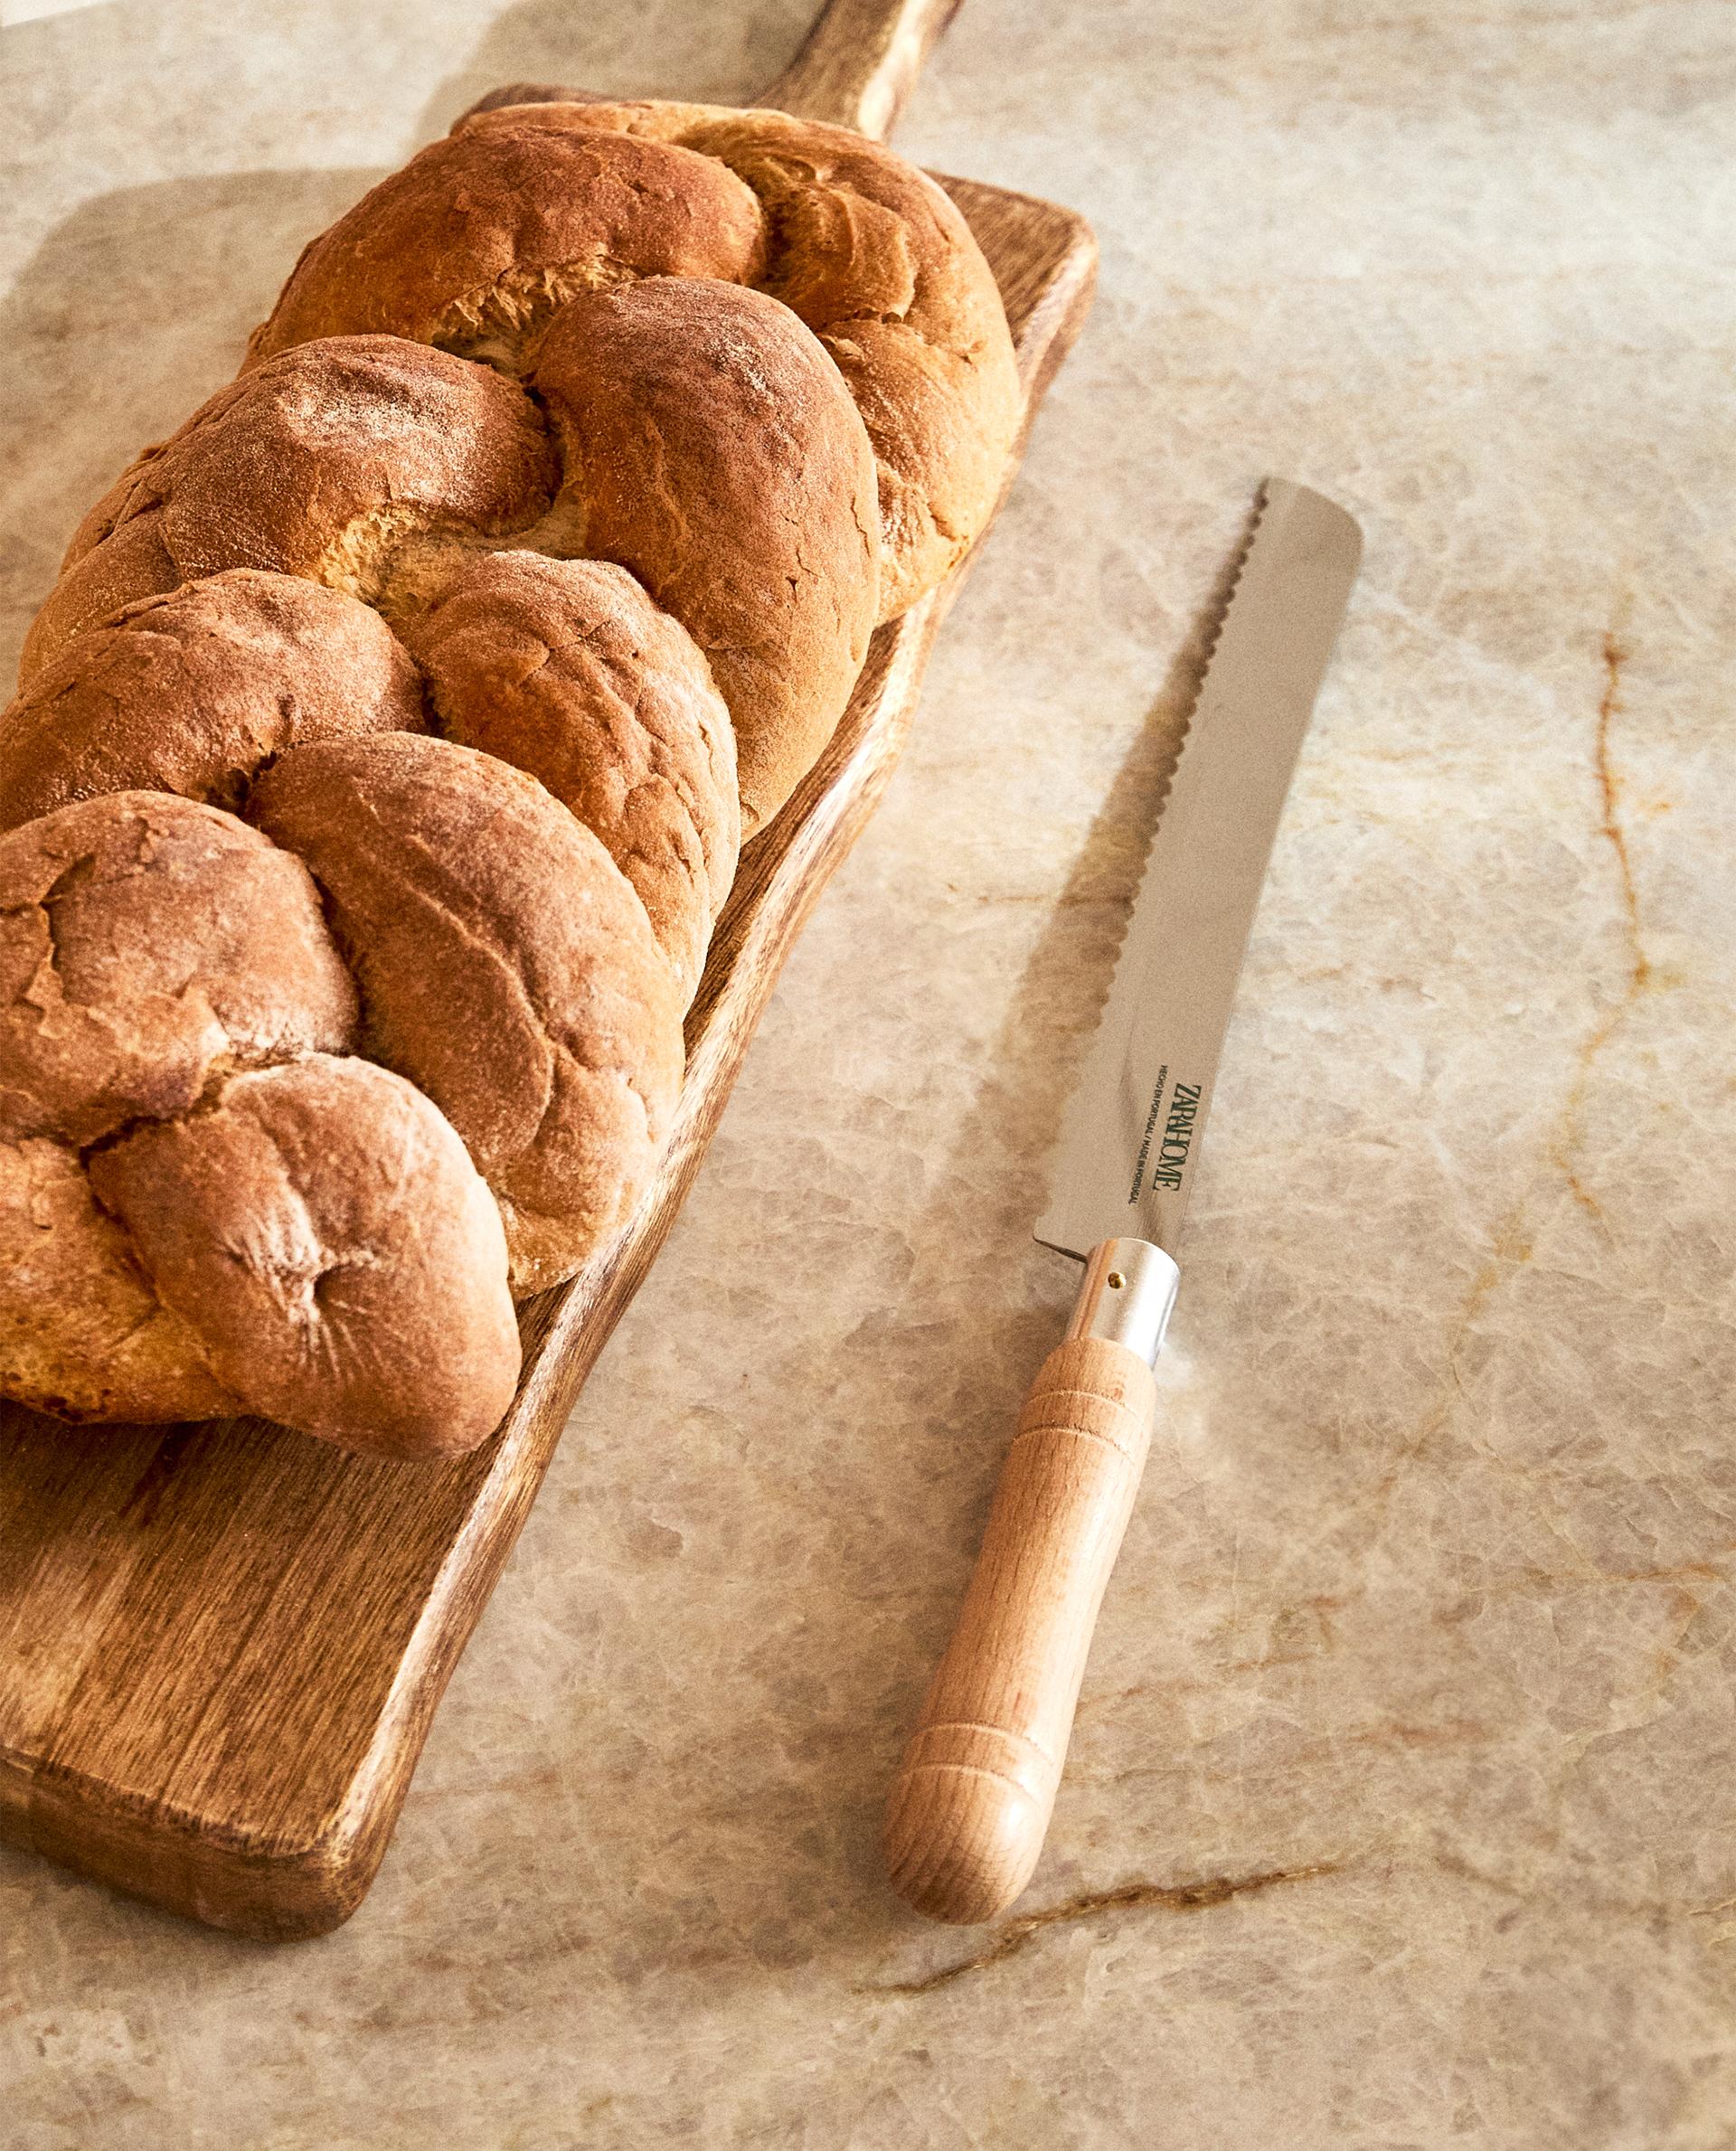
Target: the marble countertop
pixel 1400 1809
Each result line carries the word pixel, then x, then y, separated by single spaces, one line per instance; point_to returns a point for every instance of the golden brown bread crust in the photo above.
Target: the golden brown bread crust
pixel 320 464
pixel 146 945
pixel 479 238
pixel 879 262
pixel 506 968
pixel 194 690
pixel 717 458
pixel 150 949
pixel 82 1332
pixel 866 251
pixel 745 388
pixel 569 671
pixel 134 563
pixel 322 1227
pixel 709 448
pixel 277 469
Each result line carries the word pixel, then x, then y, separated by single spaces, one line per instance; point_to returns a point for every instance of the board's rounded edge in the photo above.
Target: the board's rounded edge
pixel 266 1889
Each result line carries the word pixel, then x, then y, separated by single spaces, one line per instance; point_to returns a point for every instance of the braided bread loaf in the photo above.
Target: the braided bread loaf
pixel 383 753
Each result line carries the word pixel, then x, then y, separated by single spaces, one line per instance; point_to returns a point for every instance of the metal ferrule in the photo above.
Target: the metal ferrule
pixel 1128 1291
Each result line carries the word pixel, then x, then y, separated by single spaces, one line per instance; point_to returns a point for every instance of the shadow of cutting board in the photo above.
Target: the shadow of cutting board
pixel 221 1645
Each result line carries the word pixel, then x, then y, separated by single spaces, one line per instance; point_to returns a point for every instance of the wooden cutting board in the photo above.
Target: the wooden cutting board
pixel 221 1645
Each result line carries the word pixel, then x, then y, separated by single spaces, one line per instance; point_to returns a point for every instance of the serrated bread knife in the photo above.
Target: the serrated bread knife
pixel 972 1800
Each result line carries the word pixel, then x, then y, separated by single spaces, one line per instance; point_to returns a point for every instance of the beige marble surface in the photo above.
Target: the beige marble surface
pixel 1401 1809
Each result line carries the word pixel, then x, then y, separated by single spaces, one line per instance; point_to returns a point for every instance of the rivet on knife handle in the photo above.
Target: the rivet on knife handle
pixel 971 1803
pixel 973 1797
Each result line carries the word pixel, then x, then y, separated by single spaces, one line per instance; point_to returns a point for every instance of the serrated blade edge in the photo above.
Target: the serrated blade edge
pixel 1130 1135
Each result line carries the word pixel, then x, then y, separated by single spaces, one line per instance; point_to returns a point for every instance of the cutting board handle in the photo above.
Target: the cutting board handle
pixel 972 1800
pixel 860 62
pixel 857 69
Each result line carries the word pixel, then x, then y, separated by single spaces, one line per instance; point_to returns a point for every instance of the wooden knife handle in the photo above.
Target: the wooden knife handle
pixel 972 1799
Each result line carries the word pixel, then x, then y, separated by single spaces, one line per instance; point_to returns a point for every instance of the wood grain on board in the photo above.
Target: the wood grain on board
pixel 221 1645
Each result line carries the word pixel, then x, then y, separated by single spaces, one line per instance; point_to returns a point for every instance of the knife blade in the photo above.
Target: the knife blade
pixel 1131 1134
pixel 971 1803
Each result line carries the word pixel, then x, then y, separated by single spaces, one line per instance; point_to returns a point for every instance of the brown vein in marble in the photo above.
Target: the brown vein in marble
pixel 1513 1241
pixel 1615 656
pixel 1017 1935
pixel 1512 1244
pixel 1512 1250
pixel 1564 1145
